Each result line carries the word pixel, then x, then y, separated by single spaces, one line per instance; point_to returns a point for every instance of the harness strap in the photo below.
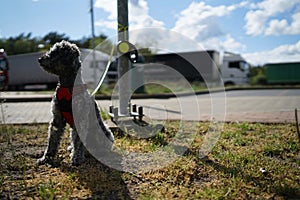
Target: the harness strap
pixel 64 98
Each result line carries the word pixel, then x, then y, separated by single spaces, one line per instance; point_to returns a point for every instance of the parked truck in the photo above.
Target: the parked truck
pixel 26 73
pixel 234 69
pixel 283 73
pixel 208 66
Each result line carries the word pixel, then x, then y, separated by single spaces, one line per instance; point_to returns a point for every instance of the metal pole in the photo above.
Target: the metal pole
pixel 123 62
pixel 297 124
pixel 93 41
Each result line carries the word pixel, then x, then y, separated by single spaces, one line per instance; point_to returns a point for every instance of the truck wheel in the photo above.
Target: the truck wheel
pixel 228 84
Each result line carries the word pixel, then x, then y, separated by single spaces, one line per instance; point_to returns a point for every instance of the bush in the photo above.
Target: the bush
pixel 259 79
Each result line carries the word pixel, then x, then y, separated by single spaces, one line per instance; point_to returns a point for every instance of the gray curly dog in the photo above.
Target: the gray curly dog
pixel 63 60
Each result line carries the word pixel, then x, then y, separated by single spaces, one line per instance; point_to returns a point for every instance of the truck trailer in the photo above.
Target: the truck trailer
pixel 283 73
pixel 208 66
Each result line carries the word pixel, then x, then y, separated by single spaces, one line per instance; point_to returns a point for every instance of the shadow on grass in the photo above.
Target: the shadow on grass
pixel 102 181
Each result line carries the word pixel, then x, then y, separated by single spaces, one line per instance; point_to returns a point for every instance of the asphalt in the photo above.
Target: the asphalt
pixel 266 106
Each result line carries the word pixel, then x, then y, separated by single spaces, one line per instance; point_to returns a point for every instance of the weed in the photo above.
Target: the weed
pixel 47 190
pixel 159 139
pixel 72 176
pixel 104 115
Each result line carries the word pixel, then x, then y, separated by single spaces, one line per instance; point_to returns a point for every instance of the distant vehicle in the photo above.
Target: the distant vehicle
pixel 26 73
pixel 283 73
pixel 200 66
pixel 4 67
pixel 234 69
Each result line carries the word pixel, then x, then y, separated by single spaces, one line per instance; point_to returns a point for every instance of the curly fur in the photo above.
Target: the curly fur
pixel 63 60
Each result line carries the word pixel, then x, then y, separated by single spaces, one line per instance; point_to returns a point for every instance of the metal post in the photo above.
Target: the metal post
pixel 123 62
pixel 93 41
pixel 297 124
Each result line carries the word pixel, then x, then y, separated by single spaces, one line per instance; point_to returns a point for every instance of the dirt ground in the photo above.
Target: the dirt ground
pixel 250 161
pixel 21 178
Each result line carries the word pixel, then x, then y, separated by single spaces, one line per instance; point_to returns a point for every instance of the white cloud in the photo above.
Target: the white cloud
pixel 231 45
pixel 138 14
pixel 276 27
pixel 295 25
pixel 199 21
pixel 255 22
pixel 226 43
pixel 109 6
pixel 163 40
pixel 261 19
pixel 110 24
pixel 283 53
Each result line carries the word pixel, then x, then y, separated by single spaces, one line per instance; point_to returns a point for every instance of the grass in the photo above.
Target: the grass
pixel 249 161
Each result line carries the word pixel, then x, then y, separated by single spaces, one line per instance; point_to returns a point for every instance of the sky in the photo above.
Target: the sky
pixel 262 31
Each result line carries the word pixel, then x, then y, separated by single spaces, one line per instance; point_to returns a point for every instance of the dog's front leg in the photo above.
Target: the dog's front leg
pixel 55 132
pixel 78 149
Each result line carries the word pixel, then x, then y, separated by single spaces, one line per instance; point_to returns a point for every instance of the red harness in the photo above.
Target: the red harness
pixel 64 98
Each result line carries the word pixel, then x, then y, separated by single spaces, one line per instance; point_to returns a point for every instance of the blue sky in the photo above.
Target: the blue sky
pixel 261 30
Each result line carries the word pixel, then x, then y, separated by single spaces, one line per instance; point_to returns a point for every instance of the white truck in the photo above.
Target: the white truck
pixel 234 69
pixel 208 66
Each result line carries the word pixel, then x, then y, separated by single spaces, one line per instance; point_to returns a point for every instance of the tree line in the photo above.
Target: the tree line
pixel 25 43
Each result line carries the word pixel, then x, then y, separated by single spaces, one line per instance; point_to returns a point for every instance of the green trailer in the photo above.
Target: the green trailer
pixel 283 73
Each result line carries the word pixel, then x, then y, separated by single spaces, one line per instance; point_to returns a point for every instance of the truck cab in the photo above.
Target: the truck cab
pixel 234 69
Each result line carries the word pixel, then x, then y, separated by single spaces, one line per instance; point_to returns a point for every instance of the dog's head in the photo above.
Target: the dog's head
pixel 62 59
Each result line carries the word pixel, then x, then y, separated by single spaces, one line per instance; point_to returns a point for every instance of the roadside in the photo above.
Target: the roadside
pixel 267 106
pixel 40 96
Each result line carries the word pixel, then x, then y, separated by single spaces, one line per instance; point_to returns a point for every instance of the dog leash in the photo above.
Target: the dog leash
pixel 105 71
pixel 124 48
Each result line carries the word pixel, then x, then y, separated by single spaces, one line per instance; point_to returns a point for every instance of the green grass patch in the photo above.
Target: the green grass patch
pixel 249 161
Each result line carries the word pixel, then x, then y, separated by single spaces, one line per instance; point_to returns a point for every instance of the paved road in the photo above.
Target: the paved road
pixel 245 105
pixel 276 105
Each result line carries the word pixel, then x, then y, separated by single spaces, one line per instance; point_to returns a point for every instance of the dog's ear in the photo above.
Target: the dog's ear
pixel 75 50
pixel 69 52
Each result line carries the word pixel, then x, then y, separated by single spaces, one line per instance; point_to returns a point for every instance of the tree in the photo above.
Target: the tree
pixel 88 42
pixel 19 44
pixel 258 75
pixel 53 37
pixel 25 43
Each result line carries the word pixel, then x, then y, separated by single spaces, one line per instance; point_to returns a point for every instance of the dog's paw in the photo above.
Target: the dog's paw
pixel 70 148
pixel 43 160
pixel 77 161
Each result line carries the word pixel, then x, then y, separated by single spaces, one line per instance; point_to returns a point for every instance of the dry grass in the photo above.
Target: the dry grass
pixel 233 170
